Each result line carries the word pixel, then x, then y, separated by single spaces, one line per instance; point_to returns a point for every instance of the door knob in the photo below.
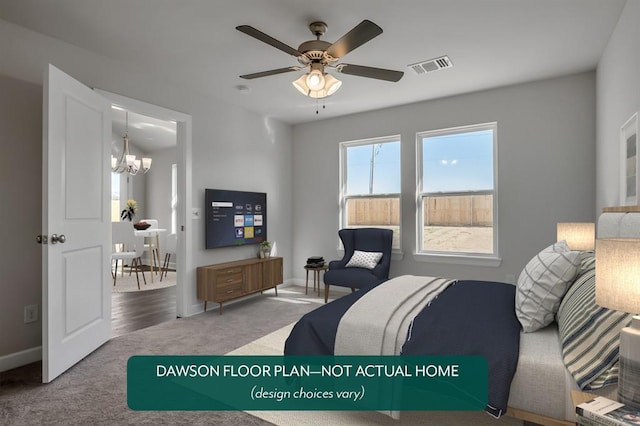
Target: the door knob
pixel 55 238
pixel 41 239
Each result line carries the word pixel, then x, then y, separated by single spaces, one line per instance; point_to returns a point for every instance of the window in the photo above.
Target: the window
pixel 456 191
pixel 115 197
pixel 370 185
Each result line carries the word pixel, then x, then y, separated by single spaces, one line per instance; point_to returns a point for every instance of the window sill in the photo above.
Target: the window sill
pixel 489 261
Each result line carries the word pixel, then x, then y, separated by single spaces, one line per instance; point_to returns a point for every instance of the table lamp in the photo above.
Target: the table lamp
pixel 578 235
pixel 618 287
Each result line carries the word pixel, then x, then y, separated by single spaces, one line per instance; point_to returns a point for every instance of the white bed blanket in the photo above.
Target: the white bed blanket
pixel 378 322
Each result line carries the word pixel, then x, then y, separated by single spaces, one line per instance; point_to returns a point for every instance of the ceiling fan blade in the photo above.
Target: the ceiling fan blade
pixel 371 72
pixel 257 34
pixel 359 35
pixel 268 73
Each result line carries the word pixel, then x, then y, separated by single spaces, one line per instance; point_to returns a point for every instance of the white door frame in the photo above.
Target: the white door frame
pixel 184 265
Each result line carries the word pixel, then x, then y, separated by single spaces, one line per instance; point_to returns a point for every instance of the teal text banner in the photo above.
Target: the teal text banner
pixel 307 382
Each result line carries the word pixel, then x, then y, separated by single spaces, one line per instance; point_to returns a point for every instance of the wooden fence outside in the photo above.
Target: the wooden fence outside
pixel 373 211
pixel 459 210
pixel 455 210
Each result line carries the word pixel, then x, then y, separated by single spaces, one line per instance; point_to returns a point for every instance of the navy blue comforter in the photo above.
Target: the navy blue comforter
pixel 315 333
pixel 473 318
pixel 468 318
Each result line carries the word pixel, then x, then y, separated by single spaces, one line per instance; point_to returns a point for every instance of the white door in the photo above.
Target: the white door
pixel 76 293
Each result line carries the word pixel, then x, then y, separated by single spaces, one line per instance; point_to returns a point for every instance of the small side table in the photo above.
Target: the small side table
pixel 316 276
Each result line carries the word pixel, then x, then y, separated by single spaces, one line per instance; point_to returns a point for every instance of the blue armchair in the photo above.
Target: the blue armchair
pixel 363 239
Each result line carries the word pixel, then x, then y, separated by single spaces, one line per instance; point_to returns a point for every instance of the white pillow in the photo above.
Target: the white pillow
pixel 364 259
pixel 542 284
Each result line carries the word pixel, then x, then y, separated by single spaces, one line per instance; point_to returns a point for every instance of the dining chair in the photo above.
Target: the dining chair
pixel 151 247
pixel 169 249
pixel 126 247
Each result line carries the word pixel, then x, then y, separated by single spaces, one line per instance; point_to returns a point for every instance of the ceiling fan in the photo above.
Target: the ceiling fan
pixel 319 56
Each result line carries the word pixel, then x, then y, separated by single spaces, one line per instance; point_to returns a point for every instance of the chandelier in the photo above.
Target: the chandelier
pixel 127 162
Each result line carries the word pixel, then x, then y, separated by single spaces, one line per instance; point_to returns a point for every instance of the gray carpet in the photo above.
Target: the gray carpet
pixel 94 390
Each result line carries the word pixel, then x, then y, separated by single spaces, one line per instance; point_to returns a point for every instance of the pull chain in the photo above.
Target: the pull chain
pixel 323 105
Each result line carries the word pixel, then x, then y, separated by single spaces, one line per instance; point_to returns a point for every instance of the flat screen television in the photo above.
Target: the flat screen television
pixel 235 218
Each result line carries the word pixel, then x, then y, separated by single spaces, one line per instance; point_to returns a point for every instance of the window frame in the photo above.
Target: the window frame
pixel 458 257
pixel 343 214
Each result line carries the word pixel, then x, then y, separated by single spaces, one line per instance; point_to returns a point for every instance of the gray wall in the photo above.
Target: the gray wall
pixel 232 148
pixel 158 193
pixel 546 169
pixel 618 93
pixel 20 211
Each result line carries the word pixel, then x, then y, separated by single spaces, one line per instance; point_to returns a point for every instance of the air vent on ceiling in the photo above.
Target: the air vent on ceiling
pixel 431 65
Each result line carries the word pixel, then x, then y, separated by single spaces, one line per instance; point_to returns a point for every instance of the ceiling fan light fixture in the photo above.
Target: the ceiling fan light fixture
pixel 315 80
pixel 301 85
pixel 332 84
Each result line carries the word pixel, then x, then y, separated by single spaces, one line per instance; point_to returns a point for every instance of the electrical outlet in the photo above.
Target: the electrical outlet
pixel 30 313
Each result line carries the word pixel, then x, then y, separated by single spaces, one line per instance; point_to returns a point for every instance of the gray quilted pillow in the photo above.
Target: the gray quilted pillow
pixel 542 284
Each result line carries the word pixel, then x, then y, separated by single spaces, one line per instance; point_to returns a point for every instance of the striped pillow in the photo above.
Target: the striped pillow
pixel 590 334
pixel 542 284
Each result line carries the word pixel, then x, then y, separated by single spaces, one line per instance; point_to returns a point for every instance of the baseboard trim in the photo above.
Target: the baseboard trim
pixel 18 359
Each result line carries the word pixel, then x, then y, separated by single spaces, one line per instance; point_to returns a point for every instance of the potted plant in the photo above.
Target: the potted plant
pixel 265 249
pixel 130 209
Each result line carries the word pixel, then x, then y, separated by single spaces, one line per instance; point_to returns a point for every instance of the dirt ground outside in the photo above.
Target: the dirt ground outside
pixel 453 239
pixel 459 239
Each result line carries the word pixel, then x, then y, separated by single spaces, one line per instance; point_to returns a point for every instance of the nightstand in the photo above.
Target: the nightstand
pixel 578 397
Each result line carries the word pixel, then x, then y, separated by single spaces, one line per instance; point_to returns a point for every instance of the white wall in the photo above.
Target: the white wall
pixel 546 169
pixel 232 148
pixel 618 94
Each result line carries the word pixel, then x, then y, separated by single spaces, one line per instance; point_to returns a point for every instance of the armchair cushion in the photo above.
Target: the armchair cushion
pixel 364 259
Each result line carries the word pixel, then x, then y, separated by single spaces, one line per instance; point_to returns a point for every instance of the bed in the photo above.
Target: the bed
pixel 544 337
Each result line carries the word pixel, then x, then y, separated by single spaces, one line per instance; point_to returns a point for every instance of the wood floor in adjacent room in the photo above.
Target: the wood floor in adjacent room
pixel 136 310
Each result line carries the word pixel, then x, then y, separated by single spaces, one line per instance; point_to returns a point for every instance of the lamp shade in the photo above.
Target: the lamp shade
pixel 578 235
pixel 618 274
pixel 330 85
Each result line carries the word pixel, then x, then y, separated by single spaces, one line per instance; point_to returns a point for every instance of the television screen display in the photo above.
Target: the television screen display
pixel 235 218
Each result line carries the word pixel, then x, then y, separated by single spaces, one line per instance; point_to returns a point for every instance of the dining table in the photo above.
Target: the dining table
pixel 149 235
